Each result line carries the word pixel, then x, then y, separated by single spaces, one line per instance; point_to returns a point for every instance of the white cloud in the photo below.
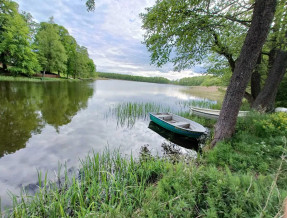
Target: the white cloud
pixel 112 33
pixel 171 75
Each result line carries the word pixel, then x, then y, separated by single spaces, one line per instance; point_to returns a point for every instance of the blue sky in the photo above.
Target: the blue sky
pixel 112 33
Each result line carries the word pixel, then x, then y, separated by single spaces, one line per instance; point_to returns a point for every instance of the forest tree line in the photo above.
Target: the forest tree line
pixel 28 47
pixel 202 80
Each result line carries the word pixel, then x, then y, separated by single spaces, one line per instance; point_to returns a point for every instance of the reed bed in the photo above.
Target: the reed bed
pixel 110 185
pixel 127 113
pixel 106 184
pixel 199 103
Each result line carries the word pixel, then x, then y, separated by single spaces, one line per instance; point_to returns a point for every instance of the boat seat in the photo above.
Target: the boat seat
pixel 165 117
pixel 182 124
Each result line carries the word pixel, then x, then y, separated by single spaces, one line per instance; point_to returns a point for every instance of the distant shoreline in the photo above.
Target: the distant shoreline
pixel 205 80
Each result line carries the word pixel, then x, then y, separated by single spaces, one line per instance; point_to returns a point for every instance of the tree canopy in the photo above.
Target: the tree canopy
pixel 28 47
pixel 187 32
pixel 15 47
pixel 190 32
pixel 51 52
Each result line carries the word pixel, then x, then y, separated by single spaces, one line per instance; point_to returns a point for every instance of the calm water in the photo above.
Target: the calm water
pixel 44 124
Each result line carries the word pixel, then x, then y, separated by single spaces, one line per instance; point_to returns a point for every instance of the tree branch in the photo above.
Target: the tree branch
pixel 223 50
pixel 234 19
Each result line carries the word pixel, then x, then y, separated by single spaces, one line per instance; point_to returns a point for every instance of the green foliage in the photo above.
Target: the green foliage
pixel 127 113
pixel 134 78
pixel 51 52
pixel 27 47
pixel 275 124
pixel 90 5
pixel 185 32
pixel 81 65
pixel 15 48
pixel 188 81
pixel 30 79
pixel 189 191
pixel 199 81
pixel 256 147
pixel 241 177
pixel 112 186
pixel 281 98
pixel 264 125
pixel 108 185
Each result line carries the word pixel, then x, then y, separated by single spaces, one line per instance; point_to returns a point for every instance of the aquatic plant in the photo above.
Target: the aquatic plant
pixel 127 113
pixel 109 185
pixel 199 103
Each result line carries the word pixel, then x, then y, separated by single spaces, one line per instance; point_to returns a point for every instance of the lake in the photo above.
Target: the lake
pixel 46 124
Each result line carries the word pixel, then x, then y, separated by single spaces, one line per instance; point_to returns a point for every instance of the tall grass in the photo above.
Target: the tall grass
pixel 32 79
pixel 127 113
pixel 241 177
pixel 200 103
pixel 109 185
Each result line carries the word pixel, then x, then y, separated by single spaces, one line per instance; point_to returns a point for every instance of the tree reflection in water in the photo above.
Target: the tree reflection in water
pixel 25 108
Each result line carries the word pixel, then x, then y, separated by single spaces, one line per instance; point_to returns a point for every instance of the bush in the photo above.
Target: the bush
pixel 257 146
pixel 190 191
pixel 264 125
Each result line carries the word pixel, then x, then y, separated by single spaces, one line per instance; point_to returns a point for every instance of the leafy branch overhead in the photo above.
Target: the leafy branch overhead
pixel 90 5
pixel 187 32
pixel 190 32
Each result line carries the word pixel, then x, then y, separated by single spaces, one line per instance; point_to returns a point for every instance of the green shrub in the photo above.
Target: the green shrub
pixel 264 125
pixel 257 146
pixel 190 191
pixel 112 186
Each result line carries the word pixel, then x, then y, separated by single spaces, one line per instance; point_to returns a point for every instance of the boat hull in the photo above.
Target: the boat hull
pixel 210 113
pixel 175 129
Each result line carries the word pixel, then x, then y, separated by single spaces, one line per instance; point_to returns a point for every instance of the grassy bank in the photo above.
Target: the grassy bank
pixel 242 177
pixel 33 79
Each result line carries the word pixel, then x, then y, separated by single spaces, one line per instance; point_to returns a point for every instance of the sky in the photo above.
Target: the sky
pixel 112 33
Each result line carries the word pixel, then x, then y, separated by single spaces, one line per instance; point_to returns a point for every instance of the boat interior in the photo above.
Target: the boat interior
pixel 169 118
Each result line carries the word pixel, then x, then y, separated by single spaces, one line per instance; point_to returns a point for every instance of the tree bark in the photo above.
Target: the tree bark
pixel 223 50
pixel 266 99
pixel 44 72
pixel 256 81
pixel 262 17
pixel 249 98
pixel 255 84
pixel 5 68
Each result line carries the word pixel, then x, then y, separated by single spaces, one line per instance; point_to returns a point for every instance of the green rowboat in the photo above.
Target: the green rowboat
pixel 178 124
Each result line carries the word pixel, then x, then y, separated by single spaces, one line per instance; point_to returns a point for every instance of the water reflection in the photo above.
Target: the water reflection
pixel 71 119
pixel 62 101
pixel 183 141
pixel 25 108
pixel 19 116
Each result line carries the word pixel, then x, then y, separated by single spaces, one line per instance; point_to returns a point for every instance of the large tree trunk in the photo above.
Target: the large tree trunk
pixel 266 99
pixel 5 68
pixel 256 36
pixel 256 80
pixel 255 84
pixel 44 72
pixel 255 88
